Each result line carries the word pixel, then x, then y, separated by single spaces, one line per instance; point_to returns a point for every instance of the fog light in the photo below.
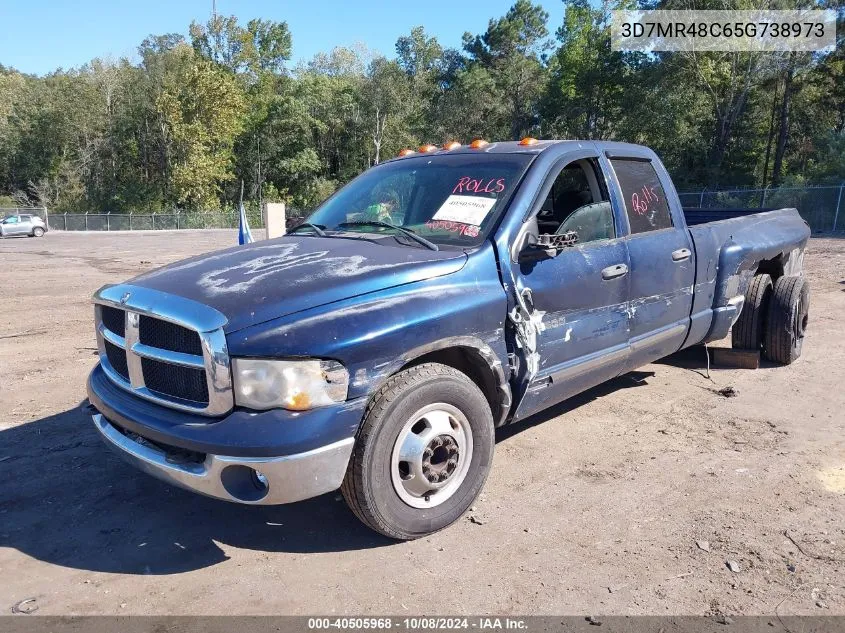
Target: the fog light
pixel 245 484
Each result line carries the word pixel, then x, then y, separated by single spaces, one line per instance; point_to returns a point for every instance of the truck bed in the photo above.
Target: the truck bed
pixel 695 215
pixel 731 245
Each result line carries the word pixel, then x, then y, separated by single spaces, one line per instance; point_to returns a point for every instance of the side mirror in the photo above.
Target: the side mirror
pixel 547 246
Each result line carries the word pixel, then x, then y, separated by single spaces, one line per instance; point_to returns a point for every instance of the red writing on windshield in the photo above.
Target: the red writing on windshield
pixel 453 227
pixel 468 184
pixel 641 200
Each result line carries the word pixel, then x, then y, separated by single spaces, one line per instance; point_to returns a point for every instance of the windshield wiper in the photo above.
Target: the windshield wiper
pixel 314 227
pixel 401 229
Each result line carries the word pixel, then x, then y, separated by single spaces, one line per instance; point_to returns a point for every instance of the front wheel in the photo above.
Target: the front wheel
pixel 38 232
pixel 422 454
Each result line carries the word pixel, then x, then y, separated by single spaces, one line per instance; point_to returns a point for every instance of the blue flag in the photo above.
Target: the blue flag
pixel 244 234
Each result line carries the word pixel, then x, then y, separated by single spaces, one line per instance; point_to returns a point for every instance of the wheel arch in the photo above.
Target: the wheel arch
pixel 773 267
pixel 785 264
pixel 472 357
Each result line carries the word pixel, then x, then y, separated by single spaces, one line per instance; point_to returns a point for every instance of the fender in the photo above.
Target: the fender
pixel 483 355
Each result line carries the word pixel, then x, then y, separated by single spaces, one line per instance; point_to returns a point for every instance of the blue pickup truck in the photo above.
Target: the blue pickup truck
pixel 439 295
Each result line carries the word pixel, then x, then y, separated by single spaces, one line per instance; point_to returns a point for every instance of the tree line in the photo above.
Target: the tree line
pixel 190 119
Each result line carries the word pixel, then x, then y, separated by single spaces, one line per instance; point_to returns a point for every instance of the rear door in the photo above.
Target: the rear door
pixel 580 296
pixel 25 226
pixel 662 272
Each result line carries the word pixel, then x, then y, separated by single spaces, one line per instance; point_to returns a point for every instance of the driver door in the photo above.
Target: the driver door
pixel 582 292
pixel 12 225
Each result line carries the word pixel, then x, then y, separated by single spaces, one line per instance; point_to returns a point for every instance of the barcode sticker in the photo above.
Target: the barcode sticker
pixel 466 209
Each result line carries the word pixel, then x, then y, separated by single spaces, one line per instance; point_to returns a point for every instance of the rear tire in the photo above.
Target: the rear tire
pixel 38 232
pixel 426 421
pixel 789 313
pixel 749 329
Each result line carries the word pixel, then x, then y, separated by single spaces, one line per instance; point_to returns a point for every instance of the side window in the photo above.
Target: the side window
pixel 578 202
pixel 645 200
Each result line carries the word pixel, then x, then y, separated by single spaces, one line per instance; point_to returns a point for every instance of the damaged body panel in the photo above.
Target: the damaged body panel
pixel 375 335
pixel 535 270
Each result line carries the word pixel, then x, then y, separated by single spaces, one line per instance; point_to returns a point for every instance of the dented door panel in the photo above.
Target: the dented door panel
pixel 661 294
pixel 583 322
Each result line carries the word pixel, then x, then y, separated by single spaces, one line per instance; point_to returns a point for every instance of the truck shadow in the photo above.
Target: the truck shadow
pixel 68 501
pixel 626 381
pixel 695 358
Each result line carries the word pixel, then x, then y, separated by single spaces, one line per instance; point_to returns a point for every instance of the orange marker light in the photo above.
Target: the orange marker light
pixel 406 152
pixel 452 145
pixel 528 141
pixel 428 148
pixel 478 143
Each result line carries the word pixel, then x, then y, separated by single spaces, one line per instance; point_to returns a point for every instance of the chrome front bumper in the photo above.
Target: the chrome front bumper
pixel 258 480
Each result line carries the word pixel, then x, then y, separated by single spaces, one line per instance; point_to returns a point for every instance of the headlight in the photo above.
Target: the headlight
pixel 292 384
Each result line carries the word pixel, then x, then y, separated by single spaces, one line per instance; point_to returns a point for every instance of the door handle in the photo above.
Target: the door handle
pixel 680 255
pixel 612 272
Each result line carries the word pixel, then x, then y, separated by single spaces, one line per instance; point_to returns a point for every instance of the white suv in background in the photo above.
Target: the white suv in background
pixel 23 224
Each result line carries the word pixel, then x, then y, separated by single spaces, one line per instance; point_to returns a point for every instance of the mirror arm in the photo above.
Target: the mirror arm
pixel 547 246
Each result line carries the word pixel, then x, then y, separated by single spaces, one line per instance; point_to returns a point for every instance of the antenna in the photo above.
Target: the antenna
pixel 214 9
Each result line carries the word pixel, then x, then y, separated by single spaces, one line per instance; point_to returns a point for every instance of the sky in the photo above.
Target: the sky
pixel 39 36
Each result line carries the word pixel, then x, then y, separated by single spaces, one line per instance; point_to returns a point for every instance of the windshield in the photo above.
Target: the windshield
pixel 447 199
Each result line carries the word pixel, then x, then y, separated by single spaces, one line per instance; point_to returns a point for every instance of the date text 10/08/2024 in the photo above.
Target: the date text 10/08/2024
pixel 417 623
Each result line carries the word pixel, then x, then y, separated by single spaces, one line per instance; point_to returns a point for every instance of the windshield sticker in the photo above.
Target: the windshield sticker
pixel 479 185
pixel 453 227
pixel 465 209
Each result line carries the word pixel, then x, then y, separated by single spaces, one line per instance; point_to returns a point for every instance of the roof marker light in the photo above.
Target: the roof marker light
pixel 452 145
pixel 528 140
pixel 406 152
pixel 425 149
pixel 478 143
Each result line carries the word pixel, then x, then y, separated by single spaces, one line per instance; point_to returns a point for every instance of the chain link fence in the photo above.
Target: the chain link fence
pixel 151 221
pixel 823 207
pixel 820 206
pixel 148 221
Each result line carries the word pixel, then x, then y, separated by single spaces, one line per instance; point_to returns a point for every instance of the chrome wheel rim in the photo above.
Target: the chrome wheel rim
pixel 431 455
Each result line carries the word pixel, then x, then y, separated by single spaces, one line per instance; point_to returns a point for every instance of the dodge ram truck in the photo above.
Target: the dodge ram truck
pixel 437 296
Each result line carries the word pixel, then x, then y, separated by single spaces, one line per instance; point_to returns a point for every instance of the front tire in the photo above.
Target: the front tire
pixel 789 313
pixel 423 452
pixel 38 232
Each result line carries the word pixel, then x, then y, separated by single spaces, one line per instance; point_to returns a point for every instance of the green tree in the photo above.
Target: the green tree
pixel 184 124
pixel 588 82
pixel 260 46
pixel 513 50
pixel 202 111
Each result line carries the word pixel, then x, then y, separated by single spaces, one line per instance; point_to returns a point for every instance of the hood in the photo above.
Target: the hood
pixel 274 278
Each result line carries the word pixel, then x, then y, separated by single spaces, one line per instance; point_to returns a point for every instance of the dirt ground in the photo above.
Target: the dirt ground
pixel 630 499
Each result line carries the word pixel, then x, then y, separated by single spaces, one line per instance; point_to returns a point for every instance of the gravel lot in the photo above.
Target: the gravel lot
pixel 630 499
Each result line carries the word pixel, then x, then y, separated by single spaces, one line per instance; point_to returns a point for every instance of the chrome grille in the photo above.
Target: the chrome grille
pixel 174 381
pixel 164 348
pixel 117 359
pixel 169 336
pixel 114 320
